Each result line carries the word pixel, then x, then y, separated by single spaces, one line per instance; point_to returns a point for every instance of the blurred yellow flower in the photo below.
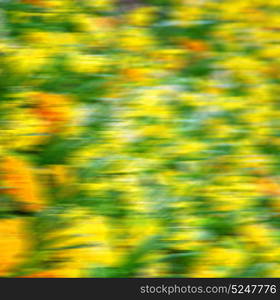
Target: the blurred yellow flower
pixel 13 243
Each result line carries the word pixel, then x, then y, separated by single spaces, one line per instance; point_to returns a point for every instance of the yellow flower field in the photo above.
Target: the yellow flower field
pixel 139 138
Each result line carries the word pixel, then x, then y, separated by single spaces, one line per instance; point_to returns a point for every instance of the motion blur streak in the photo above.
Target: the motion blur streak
pixel 139 138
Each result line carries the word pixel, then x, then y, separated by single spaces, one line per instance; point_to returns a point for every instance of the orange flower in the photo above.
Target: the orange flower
pixel 268 186
pixel 34 2
pixel 194 45
pixel 58 272
pixel 21 183
pixel 55 109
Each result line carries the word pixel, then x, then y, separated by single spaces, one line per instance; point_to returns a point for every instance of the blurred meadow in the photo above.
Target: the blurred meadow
pixel 139 138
